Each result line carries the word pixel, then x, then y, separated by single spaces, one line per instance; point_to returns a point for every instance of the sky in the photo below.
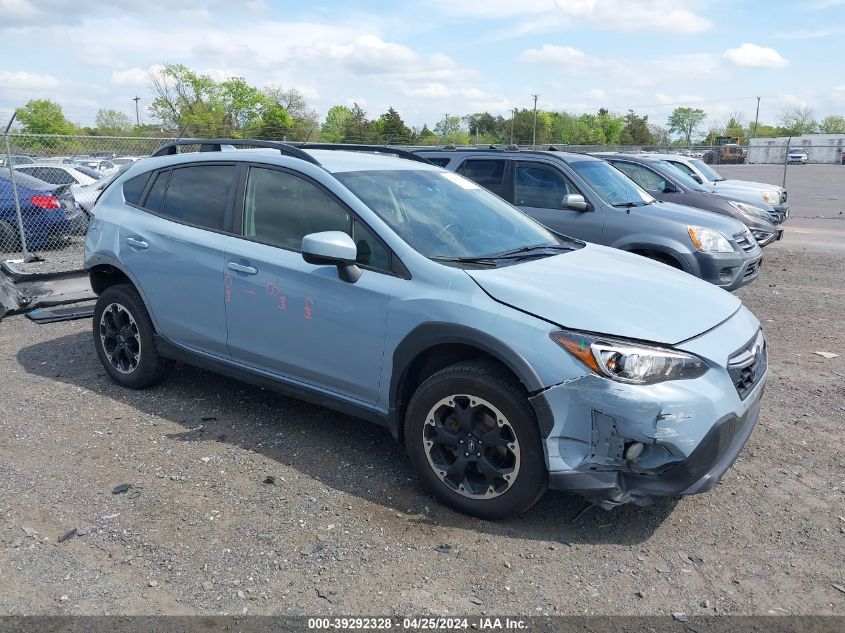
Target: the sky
pixel 437 57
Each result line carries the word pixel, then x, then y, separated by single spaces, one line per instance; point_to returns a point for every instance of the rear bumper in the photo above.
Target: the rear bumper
pixel 699 472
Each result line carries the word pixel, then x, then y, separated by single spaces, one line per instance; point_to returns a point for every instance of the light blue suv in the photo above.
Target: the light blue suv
pixel 505 357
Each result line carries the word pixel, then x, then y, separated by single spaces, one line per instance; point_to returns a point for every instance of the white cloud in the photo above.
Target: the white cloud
pixel 22 81
pixel 638 72
pixel 597 94
pixel 553 54
pixel 536 16
pixel 754 56
pixel 135 76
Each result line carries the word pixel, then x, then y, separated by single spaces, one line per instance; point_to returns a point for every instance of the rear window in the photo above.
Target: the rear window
pixel 134 187
pixel 440 161
pixel 487 173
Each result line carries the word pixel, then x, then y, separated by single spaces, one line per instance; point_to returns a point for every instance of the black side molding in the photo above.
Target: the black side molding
pixel 179 354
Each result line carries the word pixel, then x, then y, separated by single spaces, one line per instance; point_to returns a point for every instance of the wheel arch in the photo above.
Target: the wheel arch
pixel 433 346
pixel 106 272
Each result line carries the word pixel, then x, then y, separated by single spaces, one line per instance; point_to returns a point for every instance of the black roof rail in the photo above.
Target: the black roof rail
pixel 354 147
pixel 215 145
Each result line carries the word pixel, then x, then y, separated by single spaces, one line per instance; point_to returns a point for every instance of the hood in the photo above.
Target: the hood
pixel 730 183
pixel 691 215
pixel 608 291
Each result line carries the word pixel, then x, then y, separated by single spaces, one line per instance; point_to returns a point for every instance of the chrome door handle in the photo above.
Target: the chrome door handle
pixel 249 270
pixel 136 243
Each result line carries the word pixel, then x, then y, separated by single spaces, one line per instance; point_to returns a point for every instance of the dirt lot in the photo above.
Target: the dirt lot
pixel 346 529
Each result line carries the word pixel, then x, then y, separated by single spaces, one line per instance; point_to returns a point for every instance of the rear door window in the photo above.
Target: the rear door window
pixel 200 195
pixel 644 177
pixel 155 198
pixel 489 173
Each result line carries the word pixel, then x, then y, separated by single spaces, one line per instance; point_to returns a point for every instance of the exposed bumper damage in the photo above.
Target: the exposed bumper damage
pixel 23 292
pixel 615 443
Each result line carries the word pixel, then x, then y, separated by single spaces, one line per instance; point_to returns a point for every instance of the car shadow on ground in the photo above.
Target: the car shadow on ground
pixel 342 452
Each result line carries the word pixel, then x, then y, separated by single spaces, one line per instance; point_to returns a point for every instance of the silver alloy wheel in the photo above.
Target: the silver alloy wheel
pixel 471 446
pixel 120 338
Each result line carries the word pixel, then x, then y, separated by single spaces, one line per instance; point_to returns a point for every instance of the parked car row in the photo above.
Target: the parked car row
pixel 506 356
pixel 637 203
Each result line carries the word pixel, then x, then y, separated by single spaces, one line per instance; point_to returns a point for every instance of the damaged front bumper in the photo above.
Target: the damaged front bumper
pixel 618 443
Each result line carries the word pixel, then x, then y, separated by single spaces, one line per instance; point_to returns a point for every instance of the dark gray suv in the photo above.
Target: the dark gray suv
pixel 587 198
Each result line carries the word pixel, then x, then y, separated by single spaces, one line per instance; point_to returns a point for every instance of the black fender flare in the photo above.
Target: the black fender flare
pixel 428 335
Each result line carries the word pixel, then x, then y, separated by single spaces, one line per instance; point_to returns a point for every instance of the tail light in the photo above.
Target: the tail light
pixel 46 202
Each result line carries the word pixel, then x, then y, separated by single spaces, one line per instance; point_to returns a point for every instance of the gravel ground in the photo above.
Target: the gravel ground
pixel 345 528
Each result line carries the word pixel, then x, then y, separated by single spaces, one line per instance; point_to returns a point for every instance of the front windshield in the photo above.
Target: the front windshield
pixel 444 215
pixel 705 170
pixel 612 185
pixel 680 175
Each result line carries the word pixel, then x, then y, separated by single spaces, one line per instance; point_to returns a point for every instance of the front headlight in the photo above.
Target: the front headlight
pixel 749 209
pixel 771 196
pixel 709 240
pixel 631 363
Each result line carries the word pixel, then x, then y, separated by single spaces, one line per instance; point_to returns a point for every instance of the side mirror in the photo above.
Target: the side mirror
pixel 668 187
pixel 575 202
pixel 332 248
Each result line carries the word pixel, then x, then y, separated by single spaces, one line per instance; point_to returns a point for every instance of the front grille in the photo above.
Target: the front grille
pixel 747 366
pixel 745 240
pixel 752 269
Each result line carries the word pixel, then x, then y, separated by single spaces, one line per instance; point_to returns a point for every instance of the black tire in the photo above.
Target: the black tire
pixel 523 457
pixel 127 318
pixel 10 241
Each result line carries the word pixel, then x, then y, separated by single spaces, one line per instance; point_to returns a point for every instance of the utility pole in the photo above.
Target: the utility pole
pixel 445 126
pixel 534 137
pixel 513 116
pixel 756 117
pixel 137 116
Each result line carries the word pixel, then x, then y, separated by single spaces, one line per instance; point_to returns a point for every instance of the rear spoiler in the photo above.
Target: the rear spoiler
pixel 22 292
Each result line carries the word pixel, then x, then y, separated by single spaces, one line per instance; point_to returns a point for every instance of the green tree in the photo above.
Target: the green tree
pixel 734 126
pixel 357 128
pixel 686 122
pixel 184 98
pixel 425 136
pixel 333 126
pixel 450 131
pixel 833 124
pixel 393 128
pixel 636 130
pixel 303 118
pixel 796 121
pixel 112 121
pixel 42 116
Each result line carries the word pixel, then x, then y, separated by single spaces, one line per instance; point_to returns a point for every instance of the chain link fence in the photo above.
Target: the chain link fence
pixel 49 183
pixel 48 186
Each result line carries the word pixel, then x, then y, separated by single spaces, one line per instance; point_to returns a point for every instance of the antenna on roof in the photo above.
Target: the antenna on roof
pixel 309 134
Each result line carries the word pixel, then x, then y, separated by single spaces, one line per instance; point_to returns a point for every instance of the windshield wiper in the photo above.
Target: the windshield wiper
pixel 522 250
pixel 482 261
pixel 628 205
